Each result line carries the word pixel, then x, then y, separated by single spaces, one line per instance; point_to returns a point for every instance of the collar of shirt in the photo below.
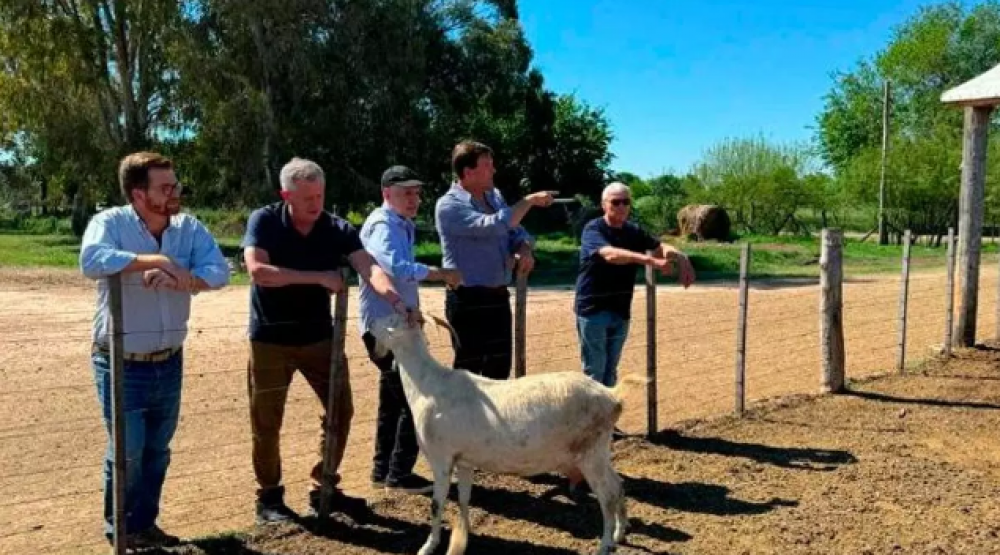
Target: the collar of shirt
pixel 462 194
pixel 324 219
pixel 130 211
pixel 392 217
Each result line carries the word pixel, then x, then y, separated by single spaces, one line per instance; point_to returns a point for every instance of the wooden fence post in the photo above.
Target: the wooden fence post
pixel 118 411
pixel 741 331
pixel 904 297
pixel 949 301
pixel 651 393
pixel 335 396
pixel 997 308
pixel 970 219
pixel 520 323
pixel 832 311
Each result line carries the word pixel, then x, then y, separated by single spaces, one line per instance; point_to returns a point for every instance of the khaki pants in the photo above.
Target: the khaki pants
pixel 269 375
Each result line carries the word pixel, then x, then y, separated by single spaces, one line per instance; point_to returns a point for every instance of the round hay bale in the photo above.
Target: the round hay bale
pixel 704 222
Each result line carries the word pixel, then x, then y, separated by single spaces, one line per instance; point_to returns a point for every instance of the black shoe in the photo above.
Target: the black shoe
pixel 354 507
pixel 155 537
pixel 271 508
pixel 411 483
pixel 151 538
pixel 617 435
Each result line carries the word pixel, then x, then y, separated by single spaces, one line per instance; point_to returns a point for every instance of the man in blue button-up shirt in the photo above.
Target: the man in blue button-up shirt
pixel 163 257
pixel 388 235
pixel 481 236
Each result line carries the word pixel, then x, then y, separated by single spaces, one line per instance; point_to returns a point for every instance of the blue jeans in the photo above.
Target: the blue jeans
pixel 602 337
pixel 152 400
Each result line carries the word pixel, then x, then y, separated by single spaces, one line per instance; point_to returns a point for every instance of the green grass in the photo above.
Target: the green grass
pixel 557 256
pixel 23 250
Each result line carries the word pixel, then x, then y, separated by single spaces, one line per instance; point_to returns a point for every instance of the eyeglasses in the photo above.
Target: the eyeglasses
pixel 168 189
pixel 620 202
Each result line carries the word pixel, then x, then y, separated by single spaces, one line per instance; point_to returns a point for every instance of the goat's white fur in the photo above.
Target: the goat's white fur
pixel 553 422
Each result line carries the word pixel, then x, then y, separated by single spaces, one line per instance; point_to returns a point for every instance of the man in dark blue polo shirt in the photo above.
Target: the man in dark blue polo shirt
pixel 611 252
pixel 293 251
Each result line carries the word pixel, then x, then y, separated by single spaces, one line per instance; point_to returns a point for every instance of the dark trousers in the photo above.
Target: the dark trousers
pixel 396 446
pixel 483 322
pixel 269 375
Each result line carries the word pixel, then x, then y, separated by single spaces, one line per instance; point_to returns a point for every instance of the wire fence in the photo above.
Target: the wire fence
pixel 53 437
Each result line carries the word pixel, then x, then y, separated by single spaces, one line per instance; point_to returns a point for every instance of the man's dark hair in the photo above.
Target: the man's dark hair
pixel 465 156
pixel 133 171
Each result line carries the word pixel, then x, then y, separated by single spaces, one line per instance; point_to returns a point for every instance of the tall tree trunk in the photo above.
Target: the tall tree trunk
pixel 269 155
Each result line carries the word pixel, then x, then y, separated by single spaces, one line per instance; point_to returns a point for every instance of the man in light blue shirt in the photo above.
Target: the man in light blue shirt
pixel 388 235
pixel 482 238
pixel 163 257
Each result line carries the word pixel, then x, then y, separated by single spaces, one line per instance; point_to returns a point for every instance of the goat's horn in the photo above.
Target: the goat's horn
pixel 444 324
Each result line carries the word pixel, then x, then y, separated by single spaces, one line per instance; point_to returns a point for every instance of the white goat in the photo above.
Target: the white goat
pixel 554 422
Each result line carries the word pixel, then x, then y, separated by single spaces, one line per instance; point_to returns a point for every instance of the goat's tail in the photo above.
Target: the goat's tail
pixel 626 381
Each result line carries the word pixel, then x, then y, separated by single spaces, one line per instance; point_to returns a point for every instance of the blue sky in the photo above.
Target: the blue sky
pixel 676 77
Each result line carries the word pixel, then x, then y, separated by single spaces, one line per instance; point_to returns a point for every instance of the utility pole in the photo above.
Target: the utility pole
pixel 883 232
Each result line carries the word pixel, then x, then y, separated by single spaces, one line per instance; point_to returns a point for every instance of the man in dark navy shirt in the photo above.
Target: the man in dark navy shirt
pixel 294 250
pixel 612 250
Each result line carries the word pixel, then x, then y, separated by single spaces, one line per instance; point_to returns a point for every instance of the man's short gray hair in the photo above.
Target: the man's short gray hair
pixel 300 169
pixel 615 188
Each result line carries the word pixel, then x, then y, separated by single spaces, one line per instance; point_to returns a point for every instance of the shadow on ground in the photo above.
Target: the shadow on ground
pixel 881 397
pixel 801 458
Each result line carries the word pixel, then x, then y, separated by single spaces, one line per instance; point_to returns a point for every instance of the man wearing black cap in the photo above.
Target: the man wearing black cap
pixel 388 235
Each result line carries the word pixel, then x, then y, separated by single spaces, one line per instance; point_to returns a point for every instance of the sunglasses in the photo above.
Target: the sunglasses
pixel 620 202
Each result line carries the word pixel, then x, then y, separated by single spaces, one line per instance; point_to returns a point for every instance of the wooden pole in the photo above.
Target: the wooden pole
pixel 336 393
pixel 883 232
pixel 741 331
pixel 520 323
pixel 949 302
pixel 832 311
pixel 118 411
pixel 970 220
pixel 651 393
pixel 904 297
pixel 996 331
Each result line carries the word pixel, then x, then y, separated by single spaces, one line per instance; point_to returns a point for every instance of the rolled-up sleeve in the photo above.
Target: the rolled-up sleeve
pixel 518 237
pixel 99 253
pixel 207 261
pixel 455 217
pixel 387 245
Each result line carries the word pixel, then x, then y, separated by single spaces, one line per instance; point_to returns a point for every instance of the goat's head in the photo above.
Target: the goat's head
pixel 389 331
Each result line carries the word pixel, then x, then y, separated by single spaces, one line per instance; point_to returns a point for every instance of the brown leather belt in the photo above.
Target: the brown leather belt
pixel 155 356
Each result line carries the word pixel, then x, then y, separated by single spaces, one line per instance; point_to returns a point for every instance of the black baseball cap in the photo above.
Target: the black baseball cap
pixel 400 175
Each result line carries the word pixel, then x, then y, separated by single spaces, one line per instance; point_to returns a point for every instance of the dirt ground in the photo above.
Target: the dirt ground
pixel 903 465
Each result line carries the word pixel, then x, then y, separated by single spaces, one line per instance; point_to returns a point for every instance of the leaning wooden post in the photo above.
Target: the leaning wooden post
pixel 651 400
pixel 949 301
pixel 118 411
pixel 335 395
pixel 832 311
pixel 520 323
pixel 904 297
pixel 741 331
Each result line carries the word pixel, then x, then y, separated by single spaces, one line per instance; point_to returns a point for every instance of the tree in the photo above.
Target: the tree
pixel 232 90
pixel 758 182
pixel 98 79
pixel 939 47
